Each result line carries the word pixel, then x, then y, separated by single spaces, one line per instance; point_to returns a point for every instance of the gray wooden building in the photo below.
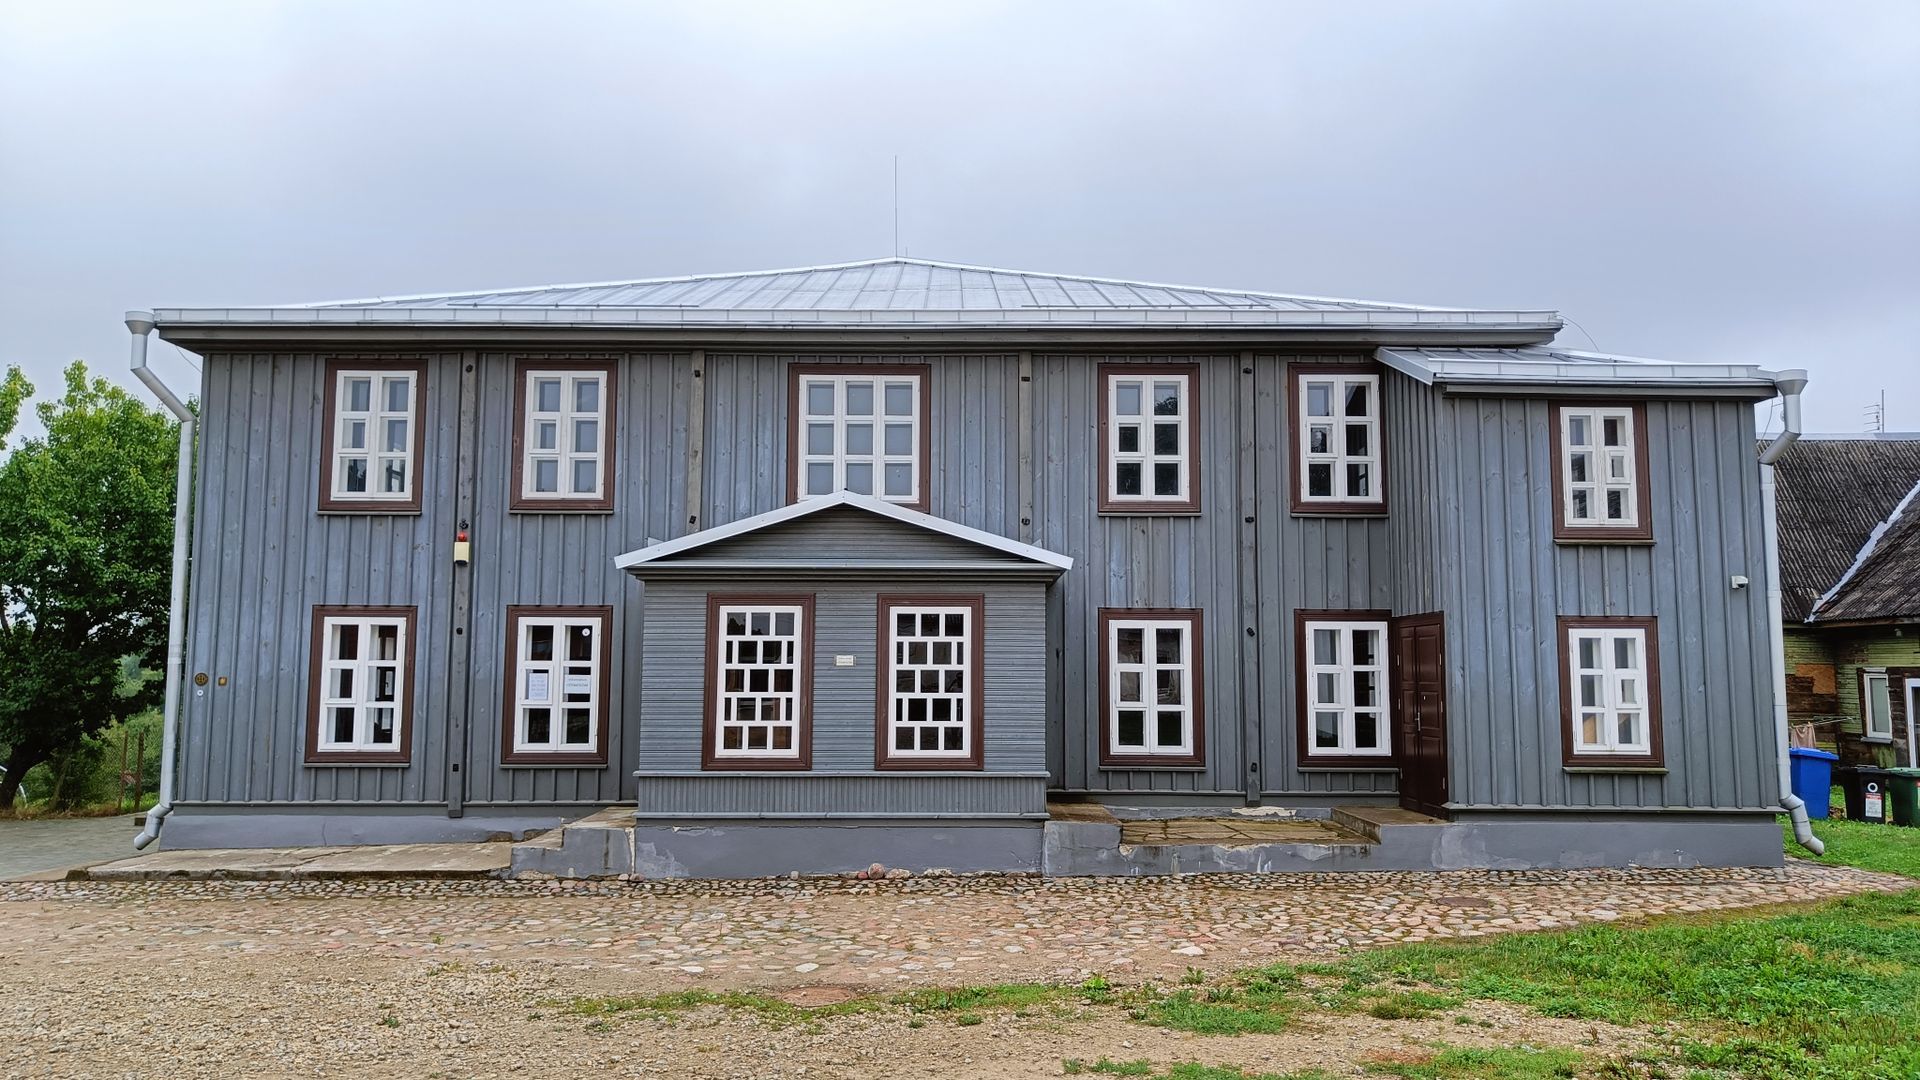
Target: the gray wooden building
pixel 881 560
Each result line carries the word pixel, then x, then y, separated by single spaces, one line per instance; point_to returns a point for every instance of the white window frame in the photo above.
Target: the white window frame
pixel 1336 422
pixel 726 702
pixel 1868 729
pixel 959 703
pixel 565 453
pixel 1144 423
pixel 559 676
pixel 839 420
pixel 375 418
pixel 364 669
pixel 1345 673
pixel 1604 471
pixel 1612 682
pixel 1148 671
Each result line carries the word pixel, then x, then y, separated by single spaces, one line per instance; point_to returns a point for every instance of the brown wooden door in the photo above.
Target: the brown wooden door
pixel 1420 712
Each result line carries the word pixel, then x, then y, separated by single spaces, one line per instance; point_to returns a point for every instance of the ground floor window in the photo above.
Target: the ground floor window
pixel 930 694
pixel 556 690
pixel 1150 663
pixel 1610 690
pixel 1343 672
pixel 1876 705
pixel 760 682
pixel 359 703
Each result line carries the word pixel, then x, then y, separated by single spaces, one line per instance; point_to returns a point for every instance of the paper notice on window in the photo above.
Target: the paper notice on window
pixel 579 684
pixel 537 689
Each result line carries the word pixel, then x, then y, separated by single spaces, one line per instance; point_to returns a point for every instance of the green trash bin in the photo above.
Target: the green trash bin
pixel 1905 785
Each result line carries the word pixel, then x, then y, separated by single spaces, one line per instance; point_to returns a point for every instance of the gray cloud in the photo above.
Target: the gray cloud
pixel 1701 182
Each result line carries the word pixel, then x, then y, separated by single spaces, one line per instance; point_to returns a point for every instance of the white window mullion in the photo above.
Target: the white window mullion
pixel 364 443
pixel 1335 675
pixel 759 657
pixel 890 401
pixel 1337 437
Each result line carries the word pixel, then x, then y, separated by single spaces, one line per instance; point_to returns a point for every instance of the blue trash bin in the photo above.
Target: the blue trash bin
pixel 1813 778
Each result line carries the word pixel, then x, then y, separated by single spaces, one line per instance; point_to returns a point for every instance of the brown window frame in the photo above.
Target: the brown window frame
pixel 797 372
pixel 519 502
pixel 402 754
pixel 883 752
pixel 1655 758
pixel 327 501
pixel 1298 506
pixel 1196 629
pixel 509 711
pixel 1305 758
pixel 1153 506
pixel 1639 533
pixel 709 709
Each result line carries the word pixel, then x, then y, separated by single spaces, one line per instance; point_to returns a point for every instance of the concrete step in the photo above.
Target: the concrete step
pixel 599 845
pixel 371 862
pixel 1369 820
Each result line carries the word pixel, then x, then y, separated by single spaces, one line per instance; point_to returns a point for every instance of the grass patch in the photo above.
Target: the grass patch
pixel 1505 1063
pixel 660 1006
pixel 964 1003
pixel 1190 1070
pixel 1411 1005
pixel 1890 849
pixel 1265 1000
pixel 1107 1067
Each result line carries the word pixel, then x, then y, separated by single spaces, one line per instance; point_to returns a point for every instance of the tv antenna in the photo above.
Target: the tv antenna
pixel 896 204
pixel 1877 414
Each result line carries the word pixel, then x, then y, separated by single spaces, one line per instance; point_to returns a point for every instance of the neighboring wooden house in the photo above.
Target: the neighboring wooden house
pixel 925 548
pixel 1850 564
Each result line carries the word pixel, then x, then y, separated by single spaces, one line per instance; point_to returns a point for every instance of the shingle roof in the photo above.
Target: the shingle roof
pixel 1885 583
pixel 1833 493
pixel 878 292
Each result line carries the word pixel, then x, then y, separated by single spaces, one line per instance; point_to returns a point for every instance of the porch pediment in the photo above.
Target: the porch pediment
pixel 842 532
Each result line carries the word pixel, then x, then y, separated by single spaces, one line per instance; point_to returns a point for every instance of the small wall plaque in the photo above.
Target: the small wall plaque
pixel 842 660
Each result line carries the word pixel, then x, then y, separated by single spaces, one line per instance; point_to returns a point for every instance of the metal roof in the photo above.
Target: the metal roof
pixel 1834 493
pixel 1493 367
pixel 881 292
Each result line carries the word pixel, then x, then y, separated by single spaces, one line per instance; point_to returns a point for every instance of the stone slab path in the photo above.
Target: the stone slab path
pixel 888 933
pixel 371 861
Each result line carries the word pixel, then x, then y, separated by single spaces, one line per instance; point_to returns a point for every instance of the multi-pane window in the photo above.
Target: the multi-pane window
pixel 556 693
pixel 374 438
pixel 758 711
pixel 1600 474
pixel 1611 689
pixel 1148 438
pixel 1876 706
pixel 931 692
pixel 563 440
pixel 362 662
pixel 1337 440
pixel 1346 688
pixel 1152 686
pixel 862 431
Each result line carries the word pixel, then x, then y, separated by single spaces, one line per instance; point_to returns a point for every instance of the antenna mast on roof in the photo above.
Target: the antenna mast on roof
pixel 1877 414
pixel 896 204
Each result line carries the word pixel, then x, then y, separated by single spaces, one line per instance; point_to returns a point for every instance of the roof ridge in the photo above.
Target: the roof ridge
pixel 1866 550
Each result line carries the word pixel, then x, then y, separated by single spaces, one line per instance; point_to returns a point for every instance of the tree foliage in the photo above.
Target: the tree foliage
pixel 85 551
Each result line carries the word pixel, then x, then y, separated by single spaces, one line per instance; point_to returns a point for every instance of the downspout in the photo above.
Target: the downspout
pixel 1790 383
pixel 141 324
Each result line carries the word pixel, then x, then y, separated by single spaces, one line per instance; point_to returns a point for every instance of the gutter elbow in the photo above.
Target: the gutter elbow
pixel 1790 383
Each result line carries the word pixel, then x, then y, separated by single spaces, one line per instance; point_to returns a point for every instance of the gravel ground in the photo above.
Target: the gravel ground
pixel 466 978
pixel 34 844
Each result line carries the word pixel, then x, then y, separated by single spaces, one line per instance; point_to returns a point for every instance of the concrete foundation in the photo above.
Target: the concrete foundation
pixel 260 827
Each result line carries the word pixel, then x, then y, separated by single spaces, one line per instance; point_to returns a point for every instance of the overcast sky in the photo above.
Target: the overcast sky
pixel 1712 182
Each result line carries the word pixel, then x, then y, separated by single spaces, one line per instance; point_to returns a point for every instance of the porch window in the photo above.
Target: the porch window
pixel 860 428
pixel 1876 706
pixel 930 692
pixel 1337 440
pixel 760 681
pixel 562 434
pixel 1600 475
pixel 361 671
pixel 1151 663
pixel 374 438
pixel 1345 686
pixel 1610 691
pixel 1149 439
pixel 556 692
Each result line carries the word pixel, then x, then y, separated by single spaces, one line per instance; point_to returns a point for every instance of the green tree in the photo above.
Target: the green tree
pixel 86 523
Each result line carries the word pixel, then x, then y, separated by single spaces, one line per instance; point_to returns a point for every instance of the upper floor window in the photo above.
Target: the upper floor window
pixel 1876 706
pixel 1610 690
pixel 1149 441
pixel 1150 688
pixel 1344 693
pixel 930 689
pixel 563 432
pixel 1600 472
pixel 358 704
pixel 1337 439
pixel 860 428
pixel 556 689
pixel 760 679
pixel 374 438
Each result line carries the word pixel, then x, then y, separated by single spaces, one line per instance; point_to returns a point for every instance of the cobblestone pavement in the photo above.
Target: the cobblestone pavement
pixel 933 929
pixel 37 844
